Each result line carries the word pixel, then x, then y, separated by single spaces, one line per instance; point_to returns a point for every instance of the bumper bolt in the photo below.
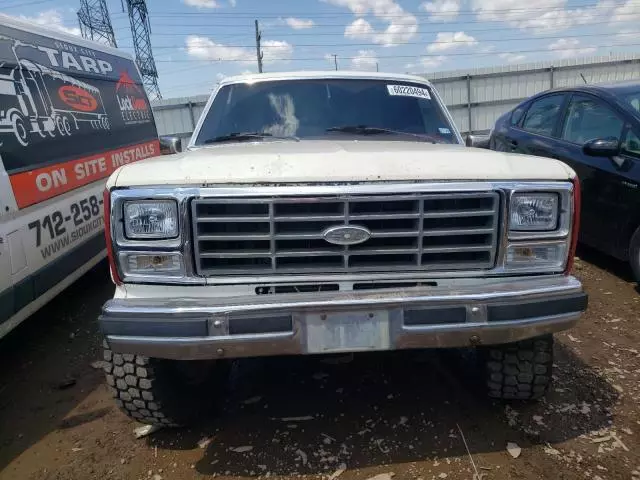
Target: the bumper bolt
pixel 474 340
pixel 220 351
pixel 217 324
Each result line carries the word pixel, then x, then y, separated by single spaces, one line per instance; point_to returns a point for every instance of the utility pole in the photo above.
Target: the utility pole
pixel 335 60
pixel 377 70
pixel 258 48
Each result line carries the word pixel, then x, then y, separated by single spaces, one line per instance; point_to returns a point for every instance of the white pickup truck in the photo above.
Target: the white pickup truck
pixel 329 212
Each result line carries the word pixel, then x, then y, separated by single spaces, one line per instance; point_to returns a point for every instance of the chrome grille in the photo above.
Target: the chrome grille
pixel 443 231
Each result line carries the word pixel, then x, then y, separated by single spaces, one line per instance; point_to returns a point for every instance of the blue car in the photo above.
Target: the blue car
pixel 596 130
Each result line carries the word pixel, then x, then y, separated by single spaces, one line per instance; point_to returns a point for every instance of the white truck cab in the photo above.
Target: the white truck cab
pixel 328 212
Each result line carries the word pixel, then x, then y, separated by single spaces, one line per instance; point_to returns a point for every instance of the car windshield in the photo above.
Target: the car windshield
pixel 325 109
pixel 633 99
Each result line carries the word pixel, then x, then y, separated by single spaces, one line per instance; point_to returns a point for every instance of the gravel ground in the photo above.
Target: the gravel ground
pixel 405 415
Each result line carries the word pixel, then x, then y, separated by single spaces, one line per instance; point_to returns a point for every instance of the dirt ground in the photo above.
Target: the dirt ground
pixel 404 415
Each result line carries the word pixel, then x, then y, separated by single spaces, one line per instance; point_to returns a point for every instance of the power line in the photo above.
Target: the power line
pixel 455 54
pixel 437 28
pixel 28 4
pixel 306 15
pixel 341 34
pixel 372 44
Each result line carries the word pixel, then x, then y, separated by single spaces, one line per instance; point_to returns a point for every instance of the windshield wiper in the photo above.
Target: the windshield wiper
pixel 367 130
pixel 240 136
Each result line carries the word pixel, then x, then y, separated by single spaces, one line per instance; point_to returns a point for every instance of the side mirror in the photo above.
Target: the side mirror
pixel 602 147
pixel 169 145
pixel 477 140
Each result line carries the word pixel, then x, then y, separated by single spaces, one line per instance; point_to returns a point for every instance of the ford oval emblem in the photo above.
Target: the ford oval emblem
pixel 346 234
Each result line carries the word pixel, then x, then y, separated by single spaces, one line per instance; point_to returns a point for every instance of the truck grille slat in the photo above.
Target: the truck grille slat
pixel 284 235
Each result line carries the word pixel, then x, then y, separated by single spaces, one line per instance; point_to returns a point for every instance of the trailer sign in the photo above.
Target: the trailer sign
pixel 69 115
pixel 71 112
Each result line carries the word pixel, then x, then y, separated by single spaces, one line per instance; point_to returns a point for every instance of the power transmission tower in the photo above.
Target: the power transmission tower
pixel 95 23
pixel 141 32
pixel 259 53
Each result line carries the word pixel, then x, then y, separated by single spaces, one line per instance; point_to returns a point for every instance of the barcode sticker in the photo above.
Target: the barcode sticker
pixel 408 91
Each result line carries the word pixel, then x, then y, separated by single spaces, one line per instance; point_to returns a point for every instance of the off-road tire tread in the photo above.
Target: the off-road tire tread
pixel 133 382
pixel 520 370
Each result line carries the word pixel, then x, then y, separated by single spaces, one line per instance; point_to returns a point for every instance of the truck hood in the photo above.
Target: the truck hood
pixel 327 161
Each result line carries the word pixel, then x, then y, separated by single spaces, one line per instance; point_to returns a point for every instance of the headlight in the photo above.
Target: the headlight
pixel 151 219
pixel 534 212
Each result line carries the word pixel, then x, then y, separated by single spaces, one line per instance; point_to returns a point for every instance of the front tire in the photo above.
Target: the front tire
pixel 520 370
pixel 634 254
pixel 163 392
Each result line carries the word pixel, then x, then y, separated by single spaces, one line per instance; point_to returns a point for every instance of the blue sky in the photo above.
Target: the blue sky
pixel 198 42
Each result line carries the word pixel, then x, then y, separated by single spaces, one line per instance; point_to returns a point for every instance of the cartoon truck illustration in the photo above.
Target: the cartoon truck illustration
pixel 35 99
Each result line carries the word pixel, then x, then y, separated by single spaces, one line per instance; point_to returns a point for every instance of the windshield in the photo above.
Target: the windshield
pixel 305 109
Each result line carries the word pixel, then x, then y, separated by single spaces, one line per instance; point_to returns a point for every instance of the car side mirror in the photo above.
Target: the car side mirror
pixel 602 147
pixel 169 145
pixel 475 140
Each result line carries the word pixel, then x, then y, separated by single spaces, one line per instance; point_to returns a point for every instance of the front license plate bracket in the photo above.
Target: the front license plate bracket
pixel 347 331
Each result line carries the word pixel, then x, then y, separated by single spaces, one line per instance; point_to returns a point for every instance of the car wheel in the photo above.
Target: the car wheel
pixel 634 254
pixel 520 370
pixel 163 392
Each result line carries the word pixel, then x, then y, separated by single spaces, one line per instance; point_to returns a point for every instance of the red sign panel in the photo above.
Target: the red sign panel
pixel 77 98
pixel 47 182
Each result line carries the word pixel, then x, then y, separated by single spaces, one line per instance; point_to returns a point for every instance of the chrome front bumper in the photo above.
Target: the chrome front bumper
pixel 280 324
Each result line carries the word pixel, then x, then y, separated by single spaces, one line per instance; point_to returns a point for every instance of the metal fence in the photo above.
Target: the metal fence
pixel 178 116
pixel 475 98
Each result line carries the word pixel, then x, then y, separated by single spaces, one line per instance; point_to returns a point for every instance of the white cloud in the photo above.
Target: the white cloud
pixel 512 57
pixel 204 48
pixel 202 3
pixel 569 47
pixel 365 60
pixel 628 11
pixel 627 35
pixel 432 62
pixel 359 28
pixel 232 3
pixel 542 15
pixel 277 50
pixel 402 27
pixel 52 19
pixel 427 63
pixel 299 23
pixel 450 40
pixel 442 10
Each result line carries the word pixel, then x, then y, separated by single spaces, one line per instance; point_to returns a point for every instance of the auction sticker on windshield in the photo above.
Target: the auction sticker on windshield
pixel 408 91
